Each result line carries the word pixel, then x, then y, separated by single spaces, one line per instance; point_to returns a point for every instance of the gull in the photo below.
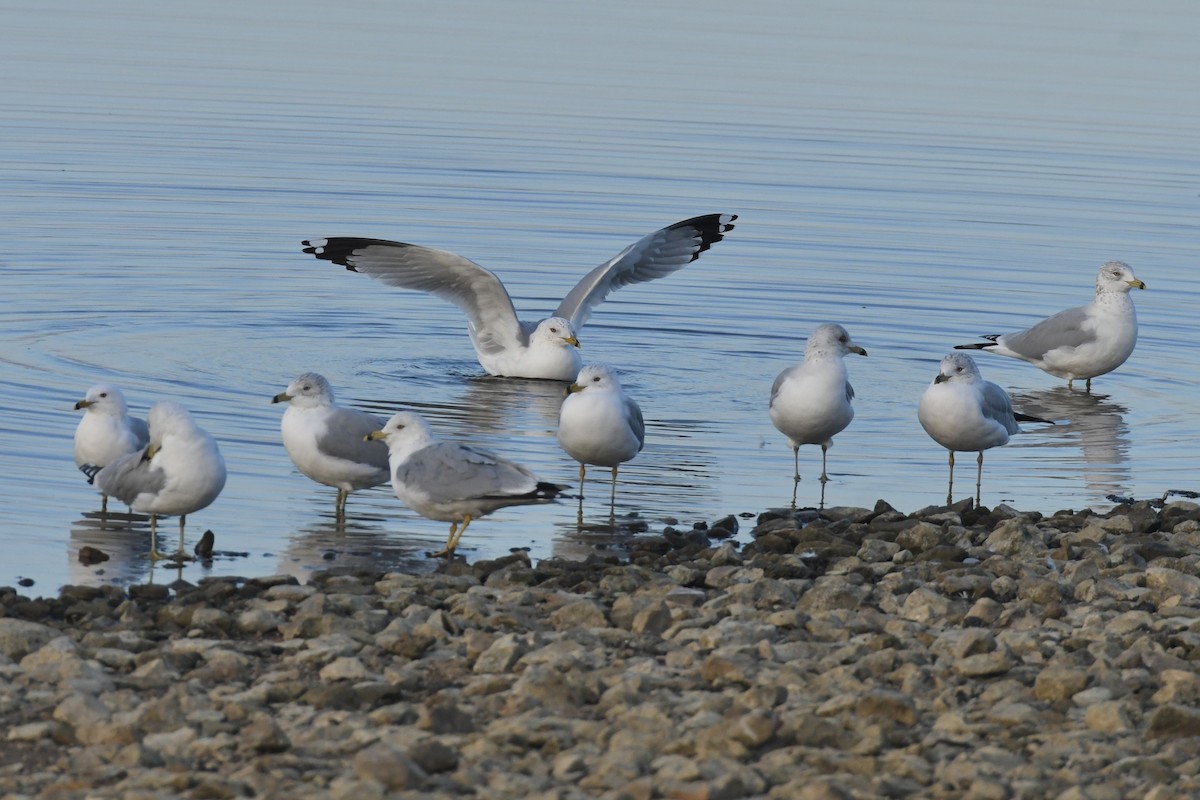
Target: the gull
pixel 106 432
pixel 452 482
pixel 963 412
pixel 505 345
pixel 326 442
pixel 810 402
pixel 179 472
pixel 599 424
pixel 1083 342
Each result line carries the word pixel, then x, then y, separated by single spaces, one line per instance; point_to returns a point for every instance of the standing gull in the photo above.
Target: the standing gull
pixel 180 471
pixel 599 424
pixel 452 482
pixel 327 442
pixel 1080 342
pixel 504 344
pixel 810 402
pixel 961 411
pixel 106 432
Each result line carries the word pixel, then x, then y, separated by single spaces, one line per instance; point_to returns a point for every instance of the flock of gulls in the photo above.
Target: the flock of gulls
pixel 169 466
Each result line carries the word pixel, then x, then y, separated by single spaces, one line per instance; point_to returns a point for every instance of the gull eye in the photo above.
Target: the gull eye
pixel 595 379
pixel 104 394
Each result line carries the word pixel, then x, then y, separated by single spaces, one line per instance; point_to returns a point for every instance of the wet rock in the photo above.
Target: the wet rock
pixel 90 556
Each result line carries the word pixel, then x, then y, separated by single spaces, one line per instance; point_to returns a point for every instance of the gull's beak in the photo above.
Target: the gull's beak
pixel 856 349
pixel 574 387
pixel 941 378
pixel 1136 284
pixel 375 436
pixel 282 397
pixel 572 340
pixel 151 451
pixel 82 404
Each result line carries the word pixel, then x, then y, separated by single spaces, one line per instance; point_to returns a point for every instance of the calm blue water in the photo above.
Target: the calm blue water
pixel 921 173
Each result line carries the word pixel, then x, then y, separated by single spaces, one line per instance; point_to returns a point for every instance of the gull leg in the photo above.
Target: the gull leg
pixel 796 458
pixel 452 540
pixel 1089 385
pixel 979 478
pixel 612 500
pixel 340 509
pixel 103 504
pixel 1070 383
pixel 154 554
pixel 181 556
pixel 447 550
pixel 461 530
pixel 950 487
pixel 824 475
pixel 582 473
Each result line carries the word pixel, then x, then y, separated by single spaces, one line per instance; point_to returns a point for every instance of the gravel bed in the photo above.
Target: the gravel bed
pixel 849 653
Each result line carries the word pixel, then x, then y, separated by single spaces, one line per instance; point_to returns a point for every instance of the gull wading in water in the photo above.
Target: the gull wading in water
pixel 1079 343
pixel 179 472
pixel 106 432
pixel 326 442
pixel 599 424
pixel 963 412
pixel 452 482
pixel 504 344
pixel 810 402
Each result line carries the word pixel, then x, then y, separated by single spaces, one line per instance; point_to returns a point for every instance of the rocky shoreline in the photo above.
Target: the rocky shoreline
pixel 851 653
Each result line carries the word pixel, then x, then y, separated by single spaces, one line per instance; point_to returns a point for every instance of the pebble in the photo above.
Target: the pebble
pixel 856 652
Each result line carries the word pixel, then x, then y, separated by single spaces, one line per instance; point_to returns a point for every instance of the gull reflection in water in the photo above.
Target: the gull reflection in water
pixel 360 541
pixel 122 536
pixel 1090 422
pixel 500 414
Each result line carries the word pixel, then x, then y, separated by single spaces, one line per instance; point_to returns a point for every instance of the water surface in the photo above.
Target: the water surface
pixel 920 173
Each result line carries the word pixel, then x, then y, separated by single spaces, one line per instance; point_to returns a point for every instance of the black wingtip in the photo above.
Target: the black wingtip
pixel 90 470
pixel 976 346
pixel 549 490
pixel 342 250
pixel 710 227
pixel 1019 417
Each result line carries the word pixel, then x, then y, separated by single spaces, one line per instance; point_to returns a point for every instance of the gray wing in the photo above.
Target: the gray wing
pixel 140 430
pixel 1064 329
pixel 344 437
pixel 653 256
pixel 634 413
pixel 450 472
pixel 779 379
pixel 997 406
pixel 130 475
pixel 478 292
